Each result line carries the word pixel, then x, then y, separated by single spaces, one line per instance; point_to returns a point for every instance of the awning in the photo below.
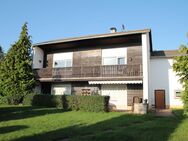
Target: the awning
pixel 116 82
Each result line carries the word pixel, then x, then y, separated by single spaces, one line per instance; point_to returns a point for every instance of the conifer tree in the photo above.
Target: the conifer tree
pixel 1 53
pixel 16 75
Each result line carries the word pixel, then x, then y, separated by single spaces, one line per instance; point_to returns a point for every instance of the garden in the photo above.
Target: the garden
pixel 26 123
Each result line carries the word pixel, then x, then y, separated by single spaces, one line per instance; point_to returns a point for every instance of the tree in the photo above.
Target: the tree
pixel 1 57
pixel 180 66
pixel 16 75
pixel 1 53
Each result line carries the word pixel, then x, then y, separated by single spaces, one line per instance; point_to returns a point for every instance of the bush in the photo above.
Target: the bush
pixel 48 100
pixel 72 103
pixel 88 103
pixel 3 100
pixel 93 103
pixel 43 100
pixel 185 100
pixel 28 99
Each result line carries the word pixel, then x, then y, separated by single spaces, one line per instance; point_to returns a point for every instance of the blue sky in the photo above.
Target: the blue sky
pixel 56 19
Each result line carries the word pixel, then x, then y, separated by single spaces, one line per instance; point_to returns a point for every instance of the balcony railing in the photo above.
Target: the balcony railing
pixel 90 71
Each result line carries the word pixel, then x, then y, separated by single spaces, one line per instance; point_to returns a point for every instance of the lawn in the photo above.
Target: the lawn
pixel 20 123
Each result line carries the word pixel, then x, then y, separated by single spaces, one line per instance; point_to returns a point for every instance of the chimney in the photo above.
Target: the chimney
pixel 113 30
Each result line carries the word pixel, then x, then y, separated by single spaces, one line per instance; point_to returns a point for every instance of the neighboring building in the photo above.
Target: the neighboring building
pixel 163 80
pixel 122 65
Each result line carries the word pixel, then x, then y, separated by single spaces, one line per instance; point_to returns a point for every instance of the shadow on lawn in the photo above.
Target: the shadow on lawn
pixel 122 128
pixel 19 112
pixel 8 129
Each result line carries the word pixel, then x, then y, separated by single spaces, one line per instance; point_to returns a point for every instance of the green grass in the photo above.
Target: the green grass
pixel 20 123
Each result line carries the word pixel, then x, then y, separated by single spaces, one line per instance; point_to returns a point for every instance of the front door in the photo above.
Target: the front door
pixel 160 99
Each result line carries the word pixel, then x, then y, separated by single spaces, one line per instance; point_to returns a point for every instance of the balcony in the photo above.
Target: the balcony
pixel 108 71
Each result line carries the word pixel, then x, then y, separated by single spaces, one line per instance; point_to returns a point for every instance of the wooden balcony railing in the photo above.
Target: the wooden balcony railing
pixel 90 71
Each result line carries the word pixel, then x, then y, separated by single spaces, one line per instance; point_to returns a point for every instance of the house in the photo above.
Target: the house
pixel 122 65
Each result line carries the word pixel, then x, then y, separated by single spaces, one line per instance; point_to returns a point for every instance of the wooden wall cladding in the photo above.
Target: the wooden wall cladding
pixel 93 57
pixel 49 63
pixel 77 59
pixel 134 55
pixel 135 90
pixel 87 58
pixel 48 60
pixel 77 88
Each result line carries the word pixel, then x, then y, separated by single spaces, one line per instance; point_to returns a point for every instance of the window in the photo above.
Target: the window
pixel 63 63
pixel 121 61
pixel 109 61
pixel 114 56
pixel 113 61
pixel 61 89
pixel 62 60
pixel 177 94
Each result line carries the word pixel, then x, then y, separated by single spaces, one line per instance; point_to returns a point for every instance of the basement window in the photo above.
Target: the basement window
pixel 177 94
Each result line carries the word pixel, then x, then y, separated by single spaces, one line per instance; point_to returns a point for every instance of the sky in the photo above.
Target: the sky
pixel 58 19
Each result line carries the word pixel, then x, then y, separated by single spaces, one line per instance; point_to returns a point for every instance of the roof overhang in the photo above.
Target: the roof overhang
pixel 94 79
pixel 125 38
pixel 97 36
pixel 116 82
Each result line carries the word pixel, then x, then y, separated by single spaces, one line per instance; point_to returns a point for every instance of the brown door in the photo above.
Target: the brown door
pixel 160 99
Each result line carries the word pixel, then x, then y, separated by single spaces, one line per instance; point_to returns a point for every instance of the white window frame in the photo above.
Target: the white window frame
pixel 121 58
pixel 62 57
pixel 116 60
pixel 114 53
pixel 68 92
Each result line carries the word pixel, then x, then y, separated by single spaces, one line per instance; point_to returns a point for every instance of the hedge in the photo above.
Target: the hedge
pixel 93 103
pixel 43 100
pixel 27 100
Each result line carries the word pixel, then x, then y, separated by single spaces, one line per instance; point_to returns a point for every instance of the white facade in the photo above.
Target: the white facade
pixel 163 77
pixel 145 64
pixel 117 93
pixel 38 55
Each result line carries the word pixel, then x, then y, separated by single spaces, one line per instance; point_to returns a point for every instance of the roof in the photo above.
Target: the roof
pixel 97 36
pixel 164 54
